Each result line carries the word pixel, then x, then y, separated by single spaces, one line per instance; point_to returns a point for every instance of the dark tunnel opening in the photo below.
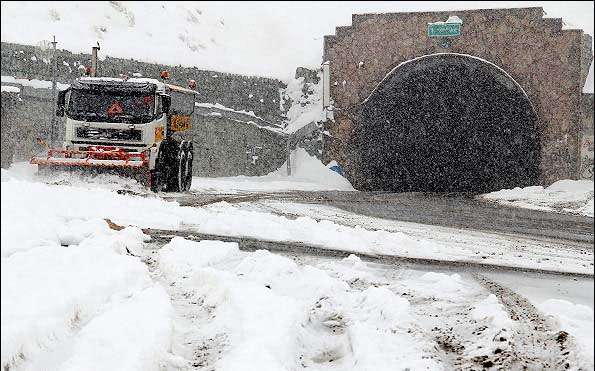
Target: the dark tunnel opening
pixel 447 123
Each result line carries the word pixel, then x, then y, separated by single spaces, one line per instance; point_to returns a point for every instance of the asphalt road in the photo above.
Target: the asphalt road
pixel 460 211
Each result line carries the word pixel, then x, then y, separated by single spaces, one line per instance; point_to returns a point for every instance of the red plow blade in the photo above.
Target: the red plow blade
pixel 94 156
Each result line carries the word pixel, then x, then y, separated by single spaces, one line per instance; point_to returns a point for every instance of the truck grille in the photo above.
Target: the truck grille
pixel 109 134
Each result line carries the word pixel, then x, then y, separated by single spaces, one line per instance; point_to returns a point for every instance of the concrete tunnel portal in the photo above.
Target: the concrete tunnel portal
pixel 447 123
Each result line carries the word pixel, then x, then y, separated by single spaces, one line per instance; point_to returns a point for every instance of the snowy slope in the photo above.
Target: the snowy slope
pixel 264 39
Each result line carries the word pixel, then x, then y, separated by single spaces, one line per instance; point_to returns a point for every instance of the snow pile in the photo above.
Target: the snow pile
pixel 130 335
pixel 306 104
pixel 491 309
pixel 569 196
pixel 84 303
pixel 307 174
pixel 10 89
pixel 577 320
pixel 276 315
pixel 34 83
pixel 309 169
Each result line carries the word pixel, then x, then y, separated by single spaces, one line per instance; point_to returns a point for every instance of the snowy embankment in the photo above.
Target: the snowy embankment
pixel 565 196
pixel 73 299
pixel 307 174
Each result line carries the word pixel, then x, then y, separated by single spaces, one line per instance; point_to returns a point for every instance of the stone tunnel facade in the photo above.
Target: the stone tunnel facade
pixel 548 63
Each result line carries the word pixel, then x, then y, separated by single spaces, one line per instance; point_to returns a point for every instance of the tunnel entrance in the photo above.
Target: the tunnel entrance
pixel 447 123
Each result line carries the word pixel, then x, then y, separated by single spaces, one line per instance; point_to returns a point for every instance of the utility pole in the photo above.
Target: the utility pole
pixel 289 154
pixel 54 95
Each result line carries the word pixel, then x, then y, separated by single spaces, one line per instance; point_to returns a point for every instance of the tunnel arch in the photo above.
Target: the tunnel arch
pixel 446 122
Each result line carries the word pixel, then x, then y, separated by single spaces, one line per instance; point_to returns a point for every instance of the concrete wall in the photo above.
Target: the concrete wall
pixel 545 60
pixel 233 91
pixel 226 147
pixel 10 102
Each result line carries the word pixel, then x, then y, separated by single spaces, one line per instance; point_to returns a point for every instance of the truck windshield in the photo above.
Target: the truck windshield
pixel 107 106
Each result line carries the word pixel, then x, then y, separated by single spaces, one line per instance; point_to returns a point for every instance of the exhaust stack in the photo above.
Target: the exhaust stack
pixel 94 51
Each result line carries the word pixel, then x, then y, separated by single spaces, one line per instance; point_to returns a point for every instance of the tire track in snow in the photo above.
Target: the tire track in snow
pixel 536 345
pixel 191 314
pixel 251 244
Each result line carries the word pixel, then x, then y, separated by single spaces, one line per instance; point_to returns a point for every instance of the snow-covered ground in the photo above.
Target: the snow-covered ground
pixel 78 301
pixel 567 196
pixel 49 205
pixel 258 310
pixel 76 294
pixel 307 174
pixel 567 302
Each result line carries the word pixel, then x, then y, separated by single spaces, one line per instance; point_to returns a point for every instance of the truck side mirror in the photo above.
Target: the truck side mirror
pixel 61 103
pixel 166 100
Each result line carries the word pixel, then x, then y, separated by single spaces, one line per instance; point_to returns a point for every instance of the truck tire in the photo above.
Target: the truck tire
pixel 188 167
pixel 176 163
pixel 159 175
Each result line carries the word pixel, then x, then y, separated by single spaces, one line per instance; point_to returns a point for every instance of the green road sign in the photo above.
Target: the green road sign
pixel 444 29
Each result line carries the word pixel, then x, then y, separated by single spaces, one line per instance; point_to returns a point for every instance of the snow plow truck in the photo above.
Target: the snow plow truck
pixel 133 127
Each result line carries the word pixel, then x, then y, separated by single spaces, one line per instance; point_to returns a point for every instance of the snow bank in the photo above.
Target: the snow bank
pixel 569 196
pixel 307 174
pixel 130 335
pixel 34 83
pixel 276 315
pixel 440 285
pixel 577 320
pixel 10 89
pixel 87 295
pixel 72 298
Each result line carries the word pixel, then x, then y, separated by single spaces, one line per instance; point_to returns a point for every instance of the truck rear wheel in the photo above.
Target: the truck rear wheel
pixel 189 159
pixel 173 167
